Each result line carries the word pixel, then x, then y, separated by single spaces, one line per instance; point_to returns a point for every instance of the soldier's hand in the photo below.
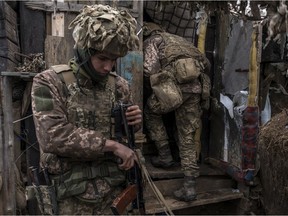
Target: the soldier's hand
pixel 127 156
pixel 134 115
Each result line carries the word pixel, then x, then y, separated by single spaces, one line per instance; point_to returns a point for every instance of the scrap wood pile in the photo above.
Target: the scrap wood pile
pixel 273 150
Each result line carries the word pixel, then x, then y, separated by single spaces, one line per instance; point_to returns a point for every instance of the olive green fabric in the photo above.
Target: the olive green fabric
pixel 74 182
pixel 43 99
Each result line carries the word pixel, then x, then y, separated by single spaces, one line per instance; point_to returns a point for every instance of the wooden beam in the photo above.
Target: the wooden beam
pixel 9 195
pixel 1 152
pixel 66 6
pixel 50 6
pixel 32 38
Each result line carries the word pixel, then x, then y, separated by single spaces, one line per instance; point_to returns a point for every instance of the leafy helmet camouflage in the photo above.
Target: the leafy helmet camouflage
pixel 104 28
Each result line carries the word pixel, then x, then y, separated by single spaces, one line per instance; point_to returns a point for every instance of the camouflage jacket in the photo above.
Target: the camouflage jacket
pixel 155 59
pixel 60 129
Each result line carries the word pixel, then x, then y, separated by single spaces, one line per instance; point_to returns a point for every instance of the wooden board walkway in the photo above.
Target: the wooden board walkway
pixel 204 198
pixel 212 186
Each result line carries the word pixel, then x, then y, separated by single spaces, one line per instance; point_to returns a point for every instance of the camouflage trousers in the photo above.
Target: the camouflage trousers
pixel 188 117
pixel 74 206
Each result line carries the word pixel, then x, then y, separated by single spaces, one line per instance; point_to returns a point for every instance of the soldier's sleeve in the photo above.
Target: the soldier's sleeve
pixel 152 53
pixel 54 132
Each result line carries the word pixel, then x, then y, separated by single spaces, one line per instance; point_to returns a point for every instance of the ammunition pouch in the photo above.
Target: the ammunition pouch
pixel 187 69
pixel 166 95
pixel 74 182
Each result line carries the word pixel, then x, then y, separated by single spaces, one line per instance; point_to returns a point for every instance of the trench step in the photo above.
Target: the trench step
pixel 175 172
pixel 203 198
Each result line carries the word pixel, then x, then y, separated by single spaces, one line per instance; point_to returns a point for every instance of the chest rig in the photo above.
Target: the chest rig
pixel 88 106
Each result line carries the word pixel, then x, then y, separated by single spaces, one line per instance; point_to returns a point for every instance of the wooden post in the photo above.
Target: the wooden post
pixel 1 153
pixel 8 188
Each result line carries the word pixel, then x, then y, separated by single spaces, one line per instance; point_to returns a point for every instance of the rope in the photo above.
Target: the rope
pixel 154 188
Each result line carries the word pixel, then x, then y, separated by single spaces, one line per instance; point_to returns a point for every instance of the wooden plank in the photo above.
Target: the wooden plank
pixel 49 6
pixel 216 122
pixel 8 59
pixel 1 150
pixel 153 206
pixel 57 50
pixel 203 184
pixel 175 172
pixel 71 6
pixel 7 30
pixel 6 64
pixel 17 128
pixel 8 50
pixel 6 12
pixel 32 38
pixel 8 149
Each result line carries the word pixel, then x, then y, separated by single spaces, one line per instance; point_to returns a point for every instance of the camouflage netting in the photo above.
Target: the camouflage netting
pixel 273 150
pixel 97 26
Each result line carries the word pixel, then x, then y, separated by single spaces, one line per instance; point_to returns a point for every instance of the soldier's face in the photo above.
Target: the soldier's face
pixel 103 63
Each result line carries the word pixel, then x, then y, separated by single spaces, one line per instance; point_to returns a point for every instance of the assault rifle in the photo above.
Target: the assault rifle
pixel 134 192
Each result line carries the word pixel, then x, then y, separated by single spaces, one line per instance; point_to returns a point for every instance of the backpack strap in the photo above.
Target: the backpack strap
pixel 112 82
pixel 65 73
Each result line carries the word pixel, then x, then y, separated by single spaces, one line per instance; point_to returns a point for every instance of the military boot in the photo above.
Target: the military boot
pixel 188 191
pixel 164 158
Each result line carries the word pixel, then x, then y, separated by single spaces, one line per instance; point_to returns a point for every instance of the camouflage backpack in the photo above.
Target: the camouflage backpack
pixel 183 63
pixel 187 61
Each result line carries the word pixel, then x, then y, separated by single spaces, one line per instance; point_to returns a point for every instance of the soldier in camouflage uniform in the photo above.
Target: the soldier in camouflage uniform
pixel 161 53
pixel 72 106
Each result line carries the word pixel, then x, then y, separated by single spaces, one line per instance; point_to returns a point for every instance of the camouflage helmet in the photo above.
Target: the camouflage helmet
pixel 104 28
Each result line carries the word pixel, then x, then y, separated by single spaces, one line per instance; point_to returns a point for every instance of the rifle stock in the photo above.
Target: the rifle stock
pixel 124 199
